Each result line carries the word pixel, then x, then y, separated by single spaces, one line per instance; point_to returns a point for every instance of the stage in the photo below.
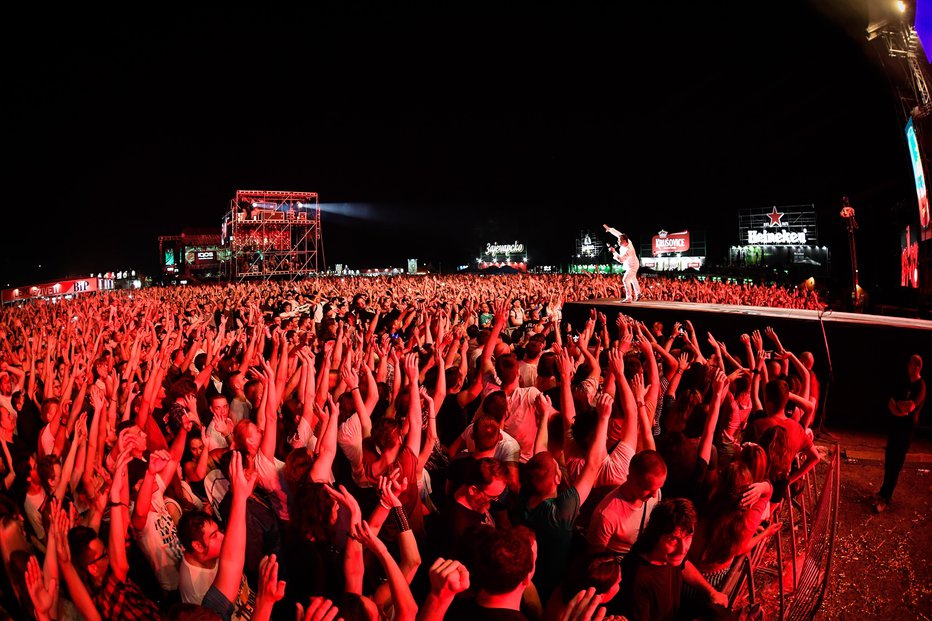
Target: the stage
pixel 868 352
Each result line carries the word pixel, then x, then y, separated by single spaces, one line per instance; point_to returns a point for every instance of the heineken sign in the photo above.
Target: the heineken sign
pixel 764 238
pixel 777 226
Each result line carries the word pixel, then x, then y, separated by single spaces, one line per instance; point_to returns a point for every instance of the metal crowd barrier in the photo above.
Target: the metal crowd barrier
pixel 818 526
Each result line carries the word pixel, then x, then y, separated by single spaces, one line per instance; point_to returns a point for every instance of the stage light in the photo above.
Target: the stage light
pixel 901 6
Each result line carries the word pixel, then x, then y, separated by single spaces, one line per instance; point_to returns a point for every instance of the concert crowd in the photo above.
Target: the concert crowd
pixel 408 448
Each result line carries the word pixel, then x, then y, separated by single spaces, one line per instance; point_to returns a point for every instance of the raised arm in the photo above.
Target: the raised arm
pixel 597 452
pixel 270 433
pixel 405 606
pixel 76 589
pixel 501 313
pixel 415 422
pixel 326 448
pixel 719 388
pixel 233 550
pixel 119 518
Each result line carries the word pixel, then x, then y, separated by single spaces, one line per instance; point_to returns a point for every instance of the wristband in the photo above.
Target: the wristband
pixel 118 504
pixel 354 388
pixel 641 404
pixel 401 520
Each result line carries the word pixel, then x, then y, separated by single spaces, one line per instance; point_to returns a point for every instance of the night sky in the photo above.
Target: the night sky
pixel 449 129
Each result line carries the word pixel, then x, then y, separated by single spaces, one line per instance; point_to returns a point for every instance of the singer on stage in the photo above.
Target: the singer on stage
pixel 628 258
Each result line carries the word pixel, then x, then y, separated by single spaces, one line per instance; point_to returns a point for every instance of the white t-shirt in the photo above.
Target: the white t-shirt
pixel 158 539
pixel 617 523
pixel 304 436
pixel 194 582
pixel 33 502
pixel 521 419
pixel 349 439
pixel 217 441
pixel 614 470
pixel 507 449
pixel 269 473
pixel 216 485
pixel 240 409
pixel 527 374
pixel 46 441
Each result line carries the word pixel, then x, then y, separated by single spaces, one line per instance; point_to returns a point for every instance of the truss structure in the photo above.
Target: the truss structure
pixel 272 234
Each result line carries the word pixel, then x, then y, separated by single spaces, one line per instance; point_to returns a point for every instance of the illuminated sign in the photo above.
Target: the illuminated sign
pixel 495 249
pixel 672 264
pixel 765 238
pixel 53 289
pixel 664 243
pixel 777 226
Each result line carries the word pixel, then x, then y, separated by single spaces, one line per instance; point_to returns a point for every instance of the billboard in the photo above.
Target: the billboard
pixel 925 227
pixel 669 243
pixel 793 225
pixel 55 289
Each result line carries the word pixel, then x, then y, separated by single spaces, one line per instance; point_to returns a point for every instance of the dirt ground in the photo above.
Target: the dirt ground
pixel 882 567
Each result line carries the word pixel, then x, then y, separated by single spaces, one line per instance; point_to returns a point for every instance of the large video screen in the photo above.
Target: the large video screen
pixel 915 155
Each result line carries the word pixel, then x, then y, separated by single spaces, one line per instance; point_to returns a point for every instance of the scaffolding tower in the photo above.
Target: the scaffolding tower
pixel 272 234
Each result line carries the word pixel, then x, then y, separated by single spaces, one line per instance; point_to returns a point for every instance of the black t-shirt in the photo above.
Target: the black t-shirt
pixel 451 420
pixel 648 592
pixel 915 392
pixel 469 610
pixel 29 423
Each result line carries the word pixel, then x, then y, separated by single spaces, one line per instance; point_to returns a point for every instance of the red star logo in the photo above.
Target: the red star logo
pixel 775 217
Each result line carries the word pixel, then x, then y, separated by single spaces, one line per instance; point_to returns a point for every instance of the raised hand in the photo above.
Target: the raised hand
pixel 390 487
pixel 363 533
pixel 448 577
pixel 350 377
pixel 411 367
pixel 158 460
pixel 223 425
pixel 61 523
pixel 270 587
pixel 319 609
pixel 626 339
pixel 603 405
pixel 43 595
pixel 584 607
pixel 343 497
pixel 719 383
pixel 638 387
pixel 616 362
pixel 242 483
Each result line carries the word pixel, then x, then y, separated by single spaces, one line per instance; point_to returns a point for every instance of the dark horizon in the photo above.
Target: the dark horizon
pixel 138 127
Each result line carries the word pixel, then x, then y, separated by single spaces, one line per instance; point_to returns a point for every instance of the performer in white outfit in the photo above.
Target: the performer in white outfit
pixel 626 256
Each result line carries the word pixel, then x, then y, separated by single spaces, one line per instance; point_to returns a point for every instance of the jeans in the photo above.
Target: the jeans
pixel 900 436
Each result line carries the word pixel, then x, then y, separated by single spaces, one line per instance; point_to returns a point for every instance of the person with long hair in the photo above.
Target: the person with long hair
pixel 728 525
